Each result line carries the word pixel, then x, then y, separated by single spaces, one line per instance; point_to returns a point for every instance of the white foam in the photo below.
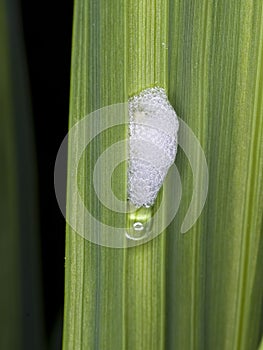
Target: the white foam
pixel 152 144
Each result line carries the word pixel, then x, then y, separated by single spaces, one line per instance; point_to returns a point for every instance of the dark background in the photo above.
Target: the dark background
pixel 47 30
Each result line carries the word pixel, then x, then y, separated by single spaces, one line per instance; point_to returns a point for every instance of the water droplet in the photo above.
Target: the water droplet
pixel 139 222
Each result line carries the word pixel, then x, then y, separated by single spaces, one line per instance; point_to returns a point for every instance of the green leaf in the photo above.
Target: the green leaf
pixel 114 298
pixel 215 289
pixel 20 304
pixel 202 289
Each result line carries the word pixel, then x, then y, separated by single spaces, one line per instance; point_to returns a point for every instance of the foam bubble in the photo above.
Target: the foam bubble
pixel 152 144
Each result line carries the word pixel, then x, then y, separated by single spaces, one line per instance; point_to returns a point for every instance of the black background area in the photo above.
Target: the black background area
pixel 47 33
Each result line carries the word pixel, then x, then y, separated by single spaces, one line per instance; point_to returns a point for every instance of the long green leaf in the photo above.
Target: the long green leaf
pixel 214 278
pixel 200 290
pixel 118 49
pixel 21 315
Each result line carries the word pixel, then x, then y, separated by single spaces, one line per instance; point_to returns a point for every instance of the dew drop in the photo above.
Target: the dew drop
pixel 138 226
pixel 139 222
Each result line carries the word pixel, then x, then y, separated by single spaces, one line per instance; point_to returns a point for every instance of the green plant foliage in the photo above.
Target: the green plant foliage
pixel 21 324
pixel 214 277
pixel 203 289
